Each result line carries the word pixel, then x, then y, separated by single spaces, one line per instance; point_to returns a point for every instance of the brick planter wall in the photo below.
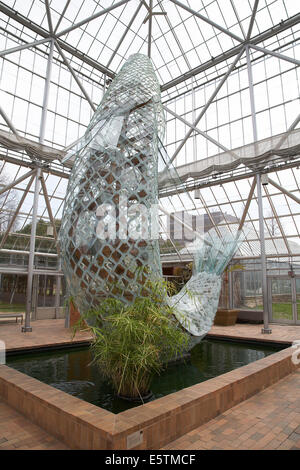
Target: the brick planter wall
pixel 81 425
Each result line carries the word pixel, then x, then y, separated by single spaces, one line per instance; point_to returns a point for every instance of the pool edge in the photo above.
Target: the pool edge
pixel 81 425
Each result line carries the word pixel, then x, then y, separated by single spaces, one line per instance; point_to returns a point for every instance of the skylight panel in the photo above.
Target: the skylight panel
pixel 263 19
pixel 212 11
pixel 277 11
pixel 228 14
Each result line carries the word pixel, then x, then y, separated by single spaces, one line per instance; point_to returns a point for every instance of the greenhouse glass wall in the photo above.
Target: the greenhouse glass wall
pixel 229 79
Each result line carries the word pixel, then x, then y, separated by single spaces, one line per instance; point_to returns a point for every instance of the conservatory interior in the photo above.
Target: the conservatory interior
pixel 149 224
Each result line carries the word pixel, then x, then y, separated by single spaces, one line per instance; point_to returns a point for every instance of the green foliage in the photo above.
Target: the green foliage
pixel 134 341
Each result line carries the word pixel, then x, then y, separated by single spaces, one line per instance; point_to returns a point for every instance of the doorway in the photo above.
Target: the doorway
pixel 284 299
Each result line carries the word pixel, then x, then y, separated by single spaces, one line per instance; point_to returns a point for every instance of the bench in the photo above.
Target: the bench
pixel 12 315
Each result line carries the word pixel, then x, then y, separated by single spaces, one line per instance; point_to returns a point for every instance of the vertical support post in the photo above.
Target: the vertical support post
pixel 265 329
pixel 34 299
pixel 230 288
pixel 46 93
pixel 194 118
pixel 57 291
pixel 27 328
pixel 57 296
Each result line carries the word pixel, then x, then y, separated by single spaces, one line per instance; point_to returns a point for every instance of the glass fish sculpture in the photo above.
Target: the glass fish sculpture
pixel 103 243
pixel 108 234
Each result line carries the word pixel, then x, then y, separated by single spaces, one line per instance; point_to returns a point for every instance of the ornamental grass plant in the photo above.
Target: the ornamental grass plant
pixel 132 342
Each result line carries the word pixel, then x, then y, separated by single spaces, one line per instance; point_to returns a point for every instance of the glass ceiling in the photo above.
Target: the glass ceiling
pixel 192 44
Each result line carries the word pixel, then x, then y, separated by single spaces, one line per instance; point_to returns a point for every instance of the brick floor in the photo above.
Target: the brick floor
pixel 44 333
pixel 17 432
pixel 280 333
pixel 268 420
pixel 53 332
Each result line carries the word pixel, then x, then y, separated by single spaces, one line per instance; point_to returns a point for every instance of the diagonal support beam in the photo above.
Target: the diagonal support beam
pixel 277 220
pixel 211 99
pixel 238 18
pixel 62 16
pixel 24 46
pixel 212 221
pixel 284 191
pixel 92 17
pixel 49 16
pixel 145 4
pixel 49 210
pixel 16 212
pixel 252 20
pixel 75 76
pixel 207 20
pixel 21 19
pixel 248 202
pixel 175 36
pixel 204 134
pixel 124 34
pixel 8 121
pixel 259 38
pixel 275 54
pixel 19 180
pixel 286 135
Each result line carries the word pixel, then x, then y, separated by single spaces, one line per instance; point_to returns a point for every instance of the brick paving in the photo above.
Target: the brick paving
pixel 44 333
pixel 280 333
pixel 53 332
pixel 268 420
pixel 17 432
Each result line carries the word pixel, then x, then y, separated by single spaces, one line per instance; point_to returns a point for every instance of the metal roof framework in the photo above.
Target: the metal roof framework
pixel 229 76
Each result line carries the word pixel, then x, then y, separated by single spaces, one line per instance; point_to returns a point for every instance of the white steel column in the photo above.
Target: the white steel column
pixel 27 327
pixel 265 329
pixel 46 93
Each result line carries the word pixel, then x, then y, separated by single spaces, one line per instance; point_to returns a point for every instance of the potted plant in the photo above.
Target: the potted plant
pixel 132 342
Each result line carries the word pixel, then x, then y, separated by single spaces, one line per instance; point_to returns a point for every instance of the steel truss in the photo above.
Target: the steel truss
pixel 54 37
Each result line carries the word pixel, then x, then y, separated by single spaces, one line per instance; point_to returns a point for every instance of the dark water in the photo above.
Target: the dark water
pixel 70 370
